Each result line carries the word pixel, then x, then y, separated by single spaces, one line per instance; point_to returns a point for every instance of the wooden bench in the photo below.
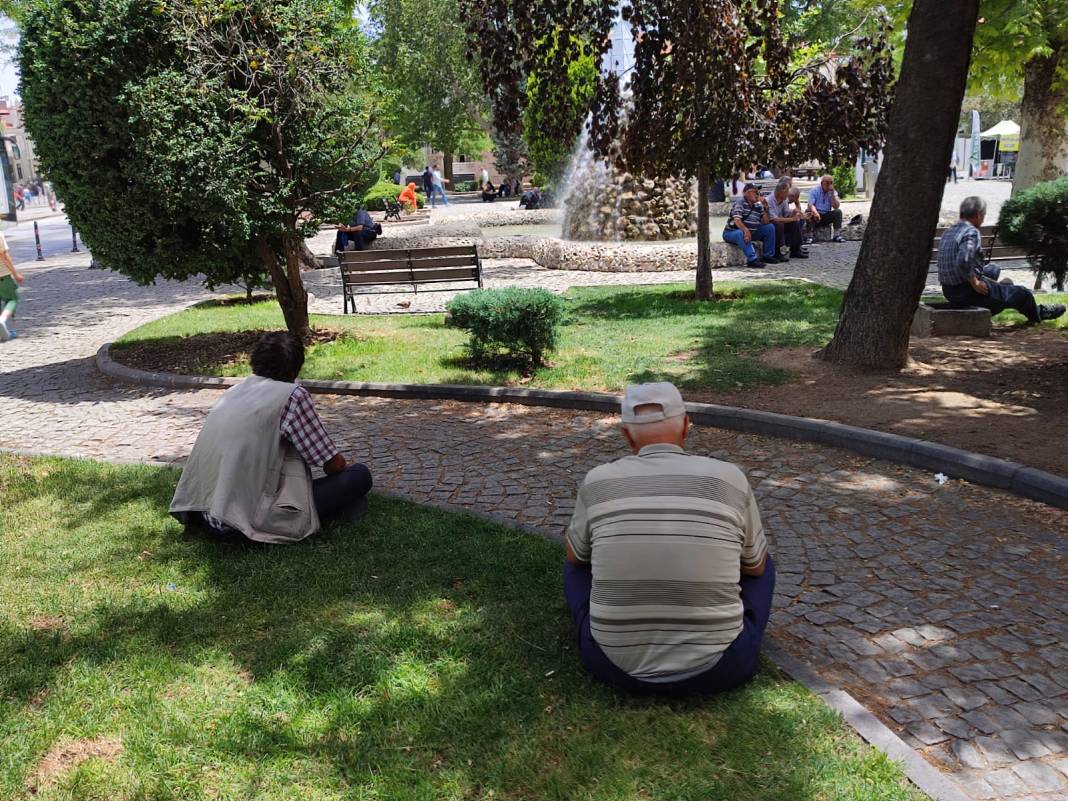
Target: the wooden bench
pixel 992 251
pixel 363 271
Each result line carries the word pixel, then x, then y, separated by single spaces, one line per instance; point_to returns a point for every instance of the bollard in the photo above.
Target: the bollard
pixel 37 237
pixel 74 240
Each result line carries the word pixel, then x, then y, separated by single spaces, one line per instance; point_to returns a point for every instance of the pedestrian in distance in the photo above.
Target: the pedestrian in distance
pixel 10 278
pixel 437 187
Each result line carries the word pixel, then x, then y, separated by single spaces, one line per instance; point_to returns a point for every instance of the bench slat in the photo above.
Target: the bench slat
pixel 373 266
pixel 361 256
pixel 452 250
pixel 445 261
pixel 392 277
pixel 445 274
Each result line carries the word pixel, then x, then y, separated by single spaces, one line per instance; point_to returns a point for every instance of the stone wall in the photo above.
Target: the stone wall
pixel 606 205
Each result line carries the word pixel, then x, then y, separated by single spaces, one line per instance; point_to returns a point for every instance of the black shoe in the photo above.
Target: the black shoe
pixel 770 260
pixel 783 259
pixel 755 264
pixel 803 254
pixel 1051 311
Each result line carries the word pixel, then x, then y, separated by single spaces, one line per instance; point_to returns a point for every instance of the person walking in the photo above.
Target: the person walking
pixel 952 168
pixel 437 187
pixel 10 278
pixel 428 182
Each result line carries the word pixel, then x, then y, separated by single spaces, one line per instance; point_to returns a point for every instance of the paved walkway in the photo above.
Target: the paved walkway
pixel 941 608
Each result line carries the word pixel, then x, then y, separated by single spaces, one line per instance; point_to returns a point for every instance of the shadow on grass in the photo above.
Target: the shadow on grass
pixel 414 655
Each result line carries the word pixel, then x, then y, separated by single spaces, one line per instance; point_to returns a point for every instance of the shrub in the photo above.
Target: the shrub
pixel 845 180
pixel 1037 219
pixel 523 322
pixel 465 186
pixel 374 199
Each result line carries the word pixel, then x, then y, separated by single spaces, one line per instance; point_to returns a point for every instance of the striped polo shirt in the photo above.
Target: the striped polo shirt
pixel 666 535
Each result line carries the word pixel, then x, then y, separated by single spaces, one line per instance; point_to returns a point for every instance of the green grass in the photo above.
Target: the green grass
pixel 613 336
pixel 416 655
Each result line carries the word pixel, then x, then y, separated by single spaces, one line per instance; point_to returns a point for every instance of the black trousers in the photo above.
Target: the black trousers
pixel 788 234
pixel 832 217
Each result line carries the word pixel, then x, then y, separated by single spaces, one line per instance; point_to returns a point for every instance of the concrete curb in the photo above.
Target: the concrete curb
pixel 1028 482
pixel 920 772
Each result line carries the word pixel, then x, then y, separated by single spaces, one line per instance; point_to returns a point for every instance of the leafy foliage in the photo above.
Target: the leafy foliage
pixel 374 198
pixel 523 322
pixel 555 110
pixel 845 179
pixel 1037 219
pixel 200 136
pixel 430 89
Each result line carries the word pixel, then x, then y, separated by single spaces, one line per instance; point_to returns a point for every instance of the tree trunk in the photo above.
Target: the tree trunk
pixel 446 168
pixel 873 330
pixel 288 286
pixel 704 256
pixel 1043 128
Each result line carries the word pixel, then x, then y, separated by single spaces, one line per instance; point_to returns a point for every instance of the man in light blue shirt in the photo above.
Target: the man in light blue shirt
pixel 825 208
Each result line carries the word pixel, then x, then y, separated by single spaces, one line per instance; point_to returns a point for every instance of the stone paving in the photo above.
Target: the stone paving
pixel 941 608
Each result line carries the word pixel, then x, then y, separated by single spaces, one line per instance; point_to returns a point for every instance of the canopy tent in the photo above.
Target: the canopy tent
pixel 1007 133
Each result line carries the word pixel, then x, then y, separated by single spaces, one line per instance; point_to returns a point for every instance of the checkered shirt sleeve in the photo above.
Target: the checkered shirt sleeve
pixel 301 426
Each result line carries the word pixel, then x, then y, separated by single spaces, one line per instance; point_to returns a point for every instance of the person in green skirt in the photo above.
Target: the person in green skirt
pixel 10 278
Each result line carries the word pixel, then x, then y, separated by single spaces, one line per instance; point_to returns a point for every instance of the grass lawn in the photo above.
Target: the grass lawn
pixel 416 655
pixel 613 336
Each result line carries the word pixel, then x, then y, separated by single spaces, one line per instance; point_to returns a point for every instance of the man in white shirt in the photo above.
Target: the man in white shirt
pixel 437 187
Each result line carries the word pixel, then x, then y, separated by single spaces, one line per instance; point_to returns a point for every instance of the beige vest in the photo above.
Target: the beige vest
pixel 243 472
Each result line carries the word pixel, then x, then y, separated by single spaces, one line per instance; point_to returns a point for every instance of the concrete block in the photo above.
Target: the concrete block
pixel 939 320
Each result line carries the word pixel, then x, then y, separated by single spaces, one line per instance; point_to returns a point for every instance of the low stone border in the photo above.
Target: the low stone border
pixel 920 772
pixel 1028 482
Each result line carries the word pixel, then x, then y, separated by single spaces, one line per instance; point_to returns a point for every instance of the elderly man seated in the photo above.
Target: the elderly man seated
pixel 749 221
pixel 967 281
pixel 361 231
pixel 668 578
pixel 787 221
pixel 824 207
pixel 249 473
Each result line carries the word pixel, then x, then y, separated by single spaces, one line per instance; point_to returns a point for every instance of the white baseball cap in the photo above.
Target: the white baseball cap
pixel 663 394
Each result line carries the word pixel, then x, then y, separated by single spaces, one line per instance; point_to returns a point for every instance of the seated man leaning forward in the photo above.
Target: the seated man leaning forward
pixel 967 281
pixel 359 233
pixel 668 577
pixel 824 207
pixel 249 473
pixel 787 221
pixel 749 221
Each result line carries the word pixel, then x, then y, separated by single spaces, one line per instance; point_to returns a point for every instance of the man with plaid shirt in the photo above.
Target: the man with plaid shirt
pixel 967 281
pixel 248 475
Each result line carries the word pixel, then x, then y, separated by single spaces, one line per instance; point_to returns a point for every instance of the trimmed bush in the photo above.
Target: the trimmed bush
pixel 374 199
pixel 1037 219
pixel 845 180
pixel 522 322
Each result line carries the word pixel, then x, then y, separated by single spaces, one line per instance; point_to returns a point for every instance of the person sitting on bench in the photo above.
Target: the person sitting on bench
pixel 359 233
pixel 489 192
pixel 749 221
pixel 967 281
pixel 249 474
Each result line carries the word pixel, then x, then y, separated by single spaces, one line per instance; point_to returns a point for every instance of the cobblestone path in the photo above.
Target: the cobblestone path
pixel 941 608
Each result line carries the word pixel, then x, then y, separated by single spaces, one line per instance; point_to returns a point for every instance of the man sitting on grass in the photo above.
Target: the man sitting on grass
pixel 749 221
pixel 668 578
pixel 249 473
pixel 967 281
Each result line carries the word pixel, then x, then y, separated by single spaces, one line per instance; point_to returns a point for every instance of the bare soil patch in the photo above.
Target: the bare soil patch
pixel 1001 396
pixel 201 353
pixel 64 757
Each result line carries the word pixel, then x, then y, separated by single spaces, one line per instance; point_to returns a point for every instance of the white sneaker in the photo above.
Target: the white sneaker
pixel 5 332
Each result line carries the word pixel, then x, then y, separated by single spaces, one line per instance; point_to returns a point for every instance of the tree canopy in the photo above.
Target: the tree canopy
pixel 200 137
pixel 430 88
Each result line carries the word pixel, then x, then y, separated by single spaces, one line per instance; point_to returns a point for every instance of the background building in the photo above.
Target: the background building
pixel 19 146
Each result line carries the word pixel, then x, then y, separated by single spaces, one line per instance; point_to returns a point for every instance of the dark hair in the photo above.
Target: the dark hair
pixel 279 356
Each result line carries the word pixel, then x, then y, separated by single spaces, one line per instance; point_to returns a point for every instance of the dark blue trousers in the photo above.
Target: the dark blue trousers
pixel 337 494
pixel 736 666
pixel 1001 297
